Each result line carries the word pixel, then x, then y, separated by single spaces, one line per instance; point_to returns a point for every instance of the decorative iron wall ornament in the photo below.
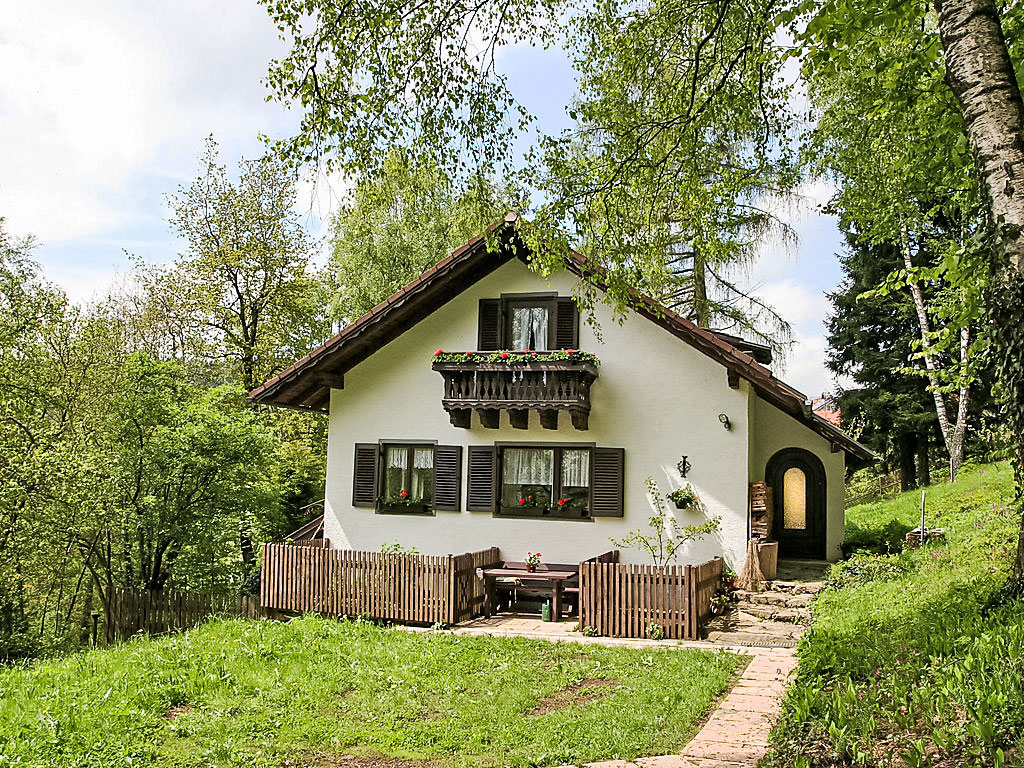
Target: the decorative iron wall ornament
pixel 683 466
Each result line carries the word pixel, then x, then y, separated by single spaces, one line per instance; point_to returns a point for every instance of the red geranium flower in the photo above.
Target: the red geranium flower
pixel 561 502
pixel 439 352
pixel 403 494
pixel 571 351
pixel 504 355
pixel 522 501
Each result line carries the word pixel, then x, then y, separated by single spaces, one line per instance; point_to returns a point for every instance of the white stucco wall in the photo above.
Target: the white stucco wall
pixel 773 431
pixel 655 396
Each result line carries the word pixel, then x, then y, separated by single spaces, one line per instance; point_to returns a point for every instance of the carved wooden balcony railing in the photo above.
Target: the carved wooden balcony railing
pixel 545 386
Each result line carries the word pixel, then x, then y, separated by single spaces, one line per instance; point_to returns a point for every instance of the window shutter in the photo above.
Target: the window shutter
pixel 489 329
pixel 608 466
pixel 481 490
pixel 448 477
pixel 364 476
pixel 567 324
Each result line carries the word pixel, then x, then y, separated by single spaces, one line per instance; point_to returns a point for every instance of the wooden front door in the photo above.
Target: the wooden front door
pixel 797 478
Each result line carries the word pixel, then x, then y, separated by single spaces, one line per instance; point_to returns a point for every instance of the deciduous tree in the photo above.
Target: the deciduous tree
pixel 244 292
pixel 400 223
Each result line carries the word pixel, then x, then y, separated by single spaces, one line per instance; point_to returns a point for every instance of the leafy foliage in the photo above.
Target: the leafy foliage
pixel 667 537
pixel 128 456
pixel 401 223
pixel 890 133
pixel 668 89
pixel 243 291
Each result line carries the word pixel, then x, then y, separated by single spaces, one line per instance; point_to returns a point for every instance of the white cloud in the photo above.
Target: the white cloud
pixel 799 303
pixel 102 99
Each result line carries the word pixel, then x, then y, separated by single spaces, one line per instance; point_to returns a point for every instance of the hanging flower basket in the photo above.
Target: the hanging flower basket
pixel 683 498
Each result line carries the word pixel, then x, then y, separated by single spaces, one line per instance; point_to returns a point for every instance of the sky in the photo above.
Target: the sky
pixel 104 107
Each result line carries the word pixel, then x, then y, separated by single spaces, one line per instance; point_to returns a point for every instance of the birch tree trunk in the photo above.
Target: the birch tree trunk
pixel 980 73
pixel 952 436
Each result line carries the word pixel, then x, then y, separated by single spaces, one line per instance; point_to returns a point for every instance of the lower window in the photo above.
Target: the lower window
pixel 545 482
pixel 408 479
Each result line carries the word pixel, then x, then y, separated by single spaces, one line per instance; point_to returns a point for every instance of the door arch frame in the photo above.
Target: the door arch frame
pixel 810 544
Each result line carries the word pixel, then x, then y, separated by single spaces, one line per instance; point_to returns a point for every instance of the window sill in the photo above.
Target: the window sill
pixel 542 513
pixel 405 509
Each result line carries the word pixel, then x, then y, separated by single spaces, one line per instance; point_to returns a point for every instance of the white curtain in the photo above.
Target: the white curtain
pixel 576 469
pixel 397 458
pixel 528 466
pixel 423 458
pixel 420 480
pixel 530 328
pixel 422 474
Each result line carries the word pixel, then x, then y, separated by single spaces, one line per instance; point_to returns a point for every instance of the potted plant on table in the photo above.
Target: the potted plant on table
pixel 683 498
pixel 532 561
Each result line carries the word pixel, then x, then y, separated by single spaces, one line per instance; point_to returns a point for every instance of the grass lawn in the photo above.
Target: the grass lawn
pixel 916 658
pixel 259 693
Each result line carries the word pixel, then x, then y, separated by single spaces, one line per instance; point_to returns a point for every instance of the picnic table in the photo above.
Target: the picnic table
pixel 539 579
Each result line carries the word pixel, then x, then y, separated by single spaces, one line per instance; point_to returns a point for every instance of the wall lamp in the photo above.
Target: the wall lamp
pixel 725 421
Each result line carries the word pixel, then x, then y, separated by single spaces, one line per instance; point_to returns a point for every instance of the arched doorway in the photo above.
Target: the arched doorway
pixel 797 479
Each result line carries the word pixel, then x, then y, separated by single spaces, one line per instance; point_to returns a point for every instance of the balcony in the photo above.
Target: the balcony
pixel 488 384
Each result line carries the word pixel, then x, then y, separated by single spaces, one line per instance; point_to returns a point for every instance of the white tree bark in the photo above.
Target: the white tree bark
pixel 952 435
pixel 980 73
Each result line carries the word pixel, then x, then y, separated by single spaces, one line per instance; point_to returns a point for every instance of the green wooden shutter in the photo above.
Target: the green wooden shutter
pixel 606 482
pixel 364 475
pixel 489 327
pixel 448 477
pixel 481 491
pixel 567 324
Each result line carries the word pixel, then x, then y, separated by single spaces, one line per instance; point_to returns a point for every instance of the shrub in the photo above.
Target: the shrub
pixel 862 568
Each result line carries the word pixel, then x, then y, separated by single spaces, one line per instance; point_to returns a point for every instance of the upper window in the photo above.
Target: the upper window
pixel 408 478
pixel 528 324
pixel 545 481
pixel 540 321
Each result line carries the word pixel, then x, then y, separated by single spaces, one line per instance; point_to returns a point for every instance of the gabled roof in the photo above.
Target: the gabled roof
pixel 307 383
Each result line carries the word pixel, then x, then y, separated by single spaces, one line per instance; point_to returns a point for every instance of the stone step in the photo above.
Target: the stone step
pixel 742 622
pixel 802 570
pixel 781 599
pixel 775 613
pixel 796 587
pixel 752 638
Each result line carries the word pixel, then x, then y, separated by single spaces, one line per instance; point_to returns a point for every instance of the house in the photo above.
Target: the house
pixel 445 435
pixel 827 407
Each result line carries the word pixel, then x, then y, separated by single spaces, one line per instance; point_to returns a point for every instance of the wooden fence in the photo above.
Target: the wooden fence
pixel 702 581
pixel 400 587
pixel 155 613
pixel 621 600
